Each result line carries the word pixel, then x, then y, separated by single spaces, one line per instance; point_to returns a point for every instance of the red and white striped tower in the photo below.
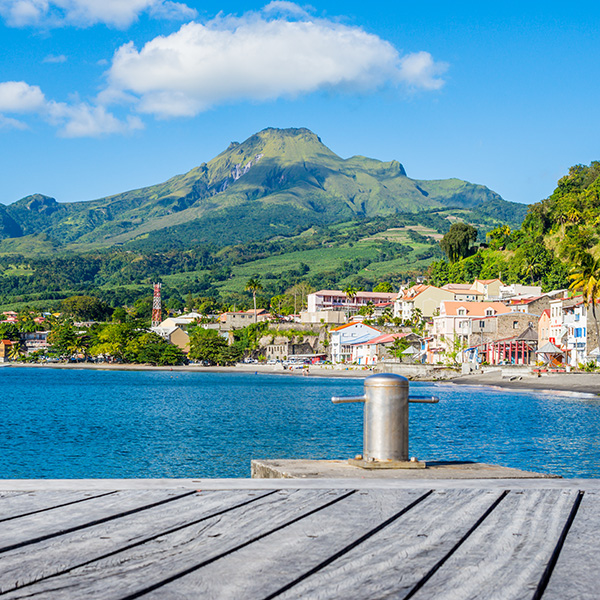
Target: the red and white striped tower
pixel 156 306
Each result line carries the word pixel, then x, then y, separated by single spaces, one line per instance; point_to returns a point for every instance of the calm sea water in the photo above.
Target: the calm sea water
pixel 82 423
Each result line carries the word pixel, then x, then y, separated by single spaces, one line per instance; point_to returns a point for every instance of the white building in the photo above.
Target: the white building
pixel 342 339
pixel 516 290
pixel 575 324
pixel 338 300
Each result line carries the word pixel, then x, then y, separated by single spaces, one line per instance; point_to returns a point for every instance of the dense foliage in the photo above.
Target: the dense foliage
pixel 559 234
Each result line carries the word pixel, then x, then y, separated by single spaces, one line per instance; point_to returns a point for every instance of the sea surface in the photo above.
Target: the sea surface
pixel 77 423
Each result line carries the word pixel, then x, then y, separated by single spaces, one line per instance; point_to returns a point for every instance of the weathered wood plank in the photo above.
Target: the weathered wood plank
pixel 506 556
pixel 57 555
pixel 576 575
pixel 391 562
pixel 141 567
pixel 25 530
pixel 23 503
pixel 269 564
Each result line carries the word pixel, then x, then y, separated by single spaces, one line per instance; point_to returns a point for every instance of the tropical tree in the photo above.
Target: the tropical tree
pixel 585 278
pixel 399 345
pixel 254 285
pixel 384 286
pixel 457 241
pixel 15 351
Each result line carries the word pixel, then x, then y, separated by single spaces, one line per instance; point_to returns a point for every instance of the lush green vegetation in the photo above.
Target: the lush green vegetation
pixel 360 252
pixel 559 235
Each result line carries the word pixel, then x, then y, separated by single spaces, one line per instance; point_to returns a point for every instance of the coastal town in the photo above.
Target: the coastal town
pixel 456 325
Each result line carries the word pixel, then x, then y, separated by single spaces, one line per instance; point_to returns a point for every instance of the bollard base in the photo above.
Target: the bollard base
pixel 387 464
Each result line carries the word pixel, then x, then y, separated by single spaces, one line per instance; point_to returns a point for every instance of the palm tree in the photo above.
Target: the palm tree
pixel 350 292
pixel 253 285
pixel 15 351
pixel 585 278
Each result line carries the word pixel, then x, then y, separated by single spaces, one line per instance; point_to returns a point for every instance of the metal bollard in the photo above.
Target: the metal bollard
pixel 386 422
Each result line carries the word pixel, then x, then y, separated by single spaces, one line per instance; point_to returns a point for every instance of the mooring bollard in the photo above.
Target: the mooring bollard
pixel 385 443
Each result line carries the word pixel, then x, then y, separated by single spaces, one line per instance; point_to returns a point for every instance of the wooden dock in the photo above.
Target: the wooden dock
pixel 325 539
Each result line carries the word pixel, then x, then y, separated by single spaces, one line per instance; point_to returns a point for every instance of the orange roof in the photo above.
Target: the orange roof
pixel 486 281
pixel 352 323
pixel 415 290
pixel 386 337
pixel 473 309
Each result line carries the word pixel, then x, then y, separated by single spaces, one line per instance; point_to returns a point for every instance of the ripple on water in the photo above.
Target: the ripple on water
pixel 83 423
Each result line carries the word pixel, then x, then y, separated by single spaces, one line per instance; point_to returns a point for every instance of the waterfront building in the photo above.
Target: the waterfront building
pixel 342 339
pixel 174 335
pixel 452 327
pixel 371 352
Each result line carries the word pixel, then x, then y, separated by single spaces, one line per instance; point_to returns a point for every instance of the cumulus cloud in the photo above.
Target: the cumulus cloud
pixel 83 13
pixel 85 120
pixel 421 71
pixel 259 58
pixel 79 119
pixel 19 97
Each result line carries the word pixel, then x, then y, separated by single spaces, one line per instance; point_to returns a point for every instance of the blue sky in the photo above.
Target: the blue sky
pixel 101 96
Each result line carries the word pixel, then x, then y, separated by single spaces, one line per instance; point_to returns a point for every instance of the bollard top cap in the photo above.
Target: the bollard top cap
pixel 386 380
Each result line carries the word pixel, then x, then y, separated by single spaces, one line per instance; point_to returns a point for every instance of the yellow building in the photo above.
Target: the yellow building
pixel 427 298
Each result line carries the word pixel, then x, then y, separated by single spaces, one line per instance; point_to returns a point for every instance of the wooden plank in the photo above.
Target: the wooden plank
pixel 575 576
pixel 506 556
pixel 283 484
pixel 138 568
pixel 23 503
pixel 31 563
pixel 272 562
pixel 391 562
pixel 25 530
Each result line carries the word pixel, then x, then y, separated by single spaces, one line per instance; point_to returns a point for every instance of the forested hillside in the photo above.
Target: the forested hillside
pixel 558 234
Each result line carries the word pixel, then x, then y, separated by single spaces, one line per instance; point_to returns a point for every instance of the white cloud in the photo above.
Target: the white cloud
pixel 285 7
pixel 421 71
pixel 83 13
pixel 55 59
pixel 20 97
pixel 78 119
pixel 85 120
pixel 259 58
pixel 9 123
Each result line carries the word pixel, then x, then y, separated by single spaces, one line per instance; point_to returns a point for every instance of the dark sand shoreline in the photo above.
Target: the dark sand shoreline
pixel 564 383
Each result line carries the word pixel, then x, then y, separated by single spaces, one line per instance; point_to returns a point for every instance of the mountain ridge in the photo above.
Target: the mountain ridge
pixel 273 183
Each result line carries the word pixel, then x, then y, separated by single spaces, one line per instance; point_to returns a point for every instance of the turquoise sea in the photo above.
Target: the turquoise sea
pixel 77 423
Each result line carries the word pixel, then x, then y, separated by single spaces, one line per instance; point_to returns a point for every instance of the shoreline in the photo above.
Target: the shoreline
pixel 313 371
pixel 573 384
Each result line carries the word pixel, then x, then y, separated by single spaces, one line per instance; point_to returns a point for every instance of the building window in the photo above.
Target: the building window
pixel 515 324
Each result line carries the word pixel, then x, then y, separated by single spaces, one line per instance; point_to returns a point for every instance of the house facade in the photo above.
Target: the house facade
pixel 426 298
pixel 342 340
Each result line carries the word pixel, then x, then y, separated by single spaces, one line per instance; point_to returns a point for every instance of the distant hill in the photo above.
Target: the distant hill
pixel 277 182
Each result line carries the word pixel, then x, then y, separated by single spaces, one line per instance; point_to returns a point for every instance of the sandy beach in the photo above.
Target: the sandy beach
pixel 577 383
pixel 313 371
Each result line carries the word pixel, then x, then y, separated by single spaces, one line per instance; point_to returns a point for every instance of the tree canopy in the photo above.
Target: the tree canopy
pixel 457 242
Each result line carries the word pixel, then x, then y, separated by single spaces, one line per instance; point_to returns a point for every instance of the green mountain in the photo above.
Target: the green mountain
pixel 277 182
